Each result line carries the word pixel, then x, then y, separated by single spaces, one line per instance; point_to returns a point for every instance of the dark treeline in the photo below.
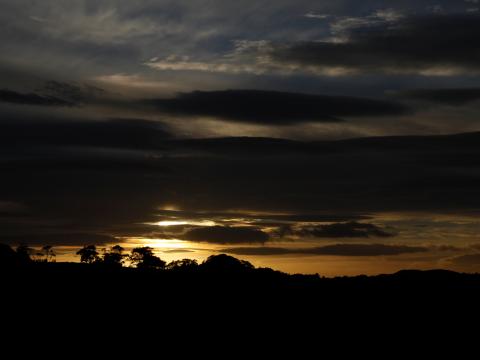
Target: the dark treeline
pixel 142 261
pixel 112 277
pixel 142 258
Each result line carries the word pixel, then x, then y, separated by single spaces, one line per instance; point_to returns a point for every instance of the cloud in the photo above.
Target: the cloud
pixel 388 41
pixel 10 207
pixel 340 26
pixel 114 133
pixel 131 80
pixel 312 15
pixel 17 98
pixel 72 92
pixel 435 44
pixel 57 239
pixel 351 229
pixel 101 25
pixel 274 108
pixel 453 97
pixel 174 63
pixel 226 235
pixel 54 93
pixel 241 146
pixel 263 219
pixel 94 189
pixel 325 217
pixel 178 251
pixel 332 250
pixel 108 38
pixel 467 260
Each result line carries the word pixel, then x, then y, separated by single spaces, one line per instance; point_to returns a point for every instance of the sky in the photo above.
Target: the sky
pixel 331 137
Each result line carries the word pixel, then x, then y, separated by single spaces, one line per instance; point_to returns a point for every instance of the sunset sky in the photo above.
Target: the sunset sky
pixel 312 136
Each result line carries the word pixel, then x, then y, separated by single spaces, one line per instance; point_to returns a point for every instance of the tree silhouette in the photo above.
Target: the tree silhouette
pixel 88 254
pixel 8 256
pixel 114 256
pixel 24 252
pixel 49 253
pixel 182 265
pixel 143 258
pixel 118 249
pixel 226 263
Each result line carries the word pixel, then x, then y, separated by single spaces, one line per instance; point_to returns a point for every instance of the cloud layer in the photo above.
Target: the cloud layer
pixel 226 235
pixel 351 229
pixel 454 97
pixel 13 97
pixel 270 107
pixel 436 44
pixel 127 134
pixel 332 250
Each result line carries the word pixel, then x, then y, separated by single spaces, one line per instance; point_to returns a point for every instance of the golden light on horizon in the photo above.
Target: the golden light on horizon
pixel 159 244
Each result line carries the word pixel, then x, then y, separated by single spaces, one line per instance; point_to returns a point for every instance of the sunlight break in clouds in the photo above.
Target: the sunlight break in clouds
pixel 167 223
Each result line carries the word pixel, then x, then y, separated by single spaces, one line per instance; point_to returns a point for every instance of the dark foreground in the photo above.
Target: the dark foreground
pixel 228 283
pixel 224 298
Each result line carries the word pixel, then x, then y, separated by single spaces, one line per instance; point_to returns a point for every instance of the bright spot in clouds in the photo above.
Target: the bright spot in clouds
pixel 185 222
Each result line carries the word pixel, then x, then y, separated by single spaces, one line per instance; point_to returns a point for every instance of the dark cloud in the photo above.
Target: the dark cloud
pixel 72 92
pixel 17 98
pixel 178 251
pixel 264 251
pixel 94 190
pixel 344 230
pixel 449 248
pixel 467 260
pixel 270 107
pixel 114 133
pixel 244 145
pixel 80 191
pixel 58 239
pixel 274 147
pixel 286 226
pixel 315 217
pixel 262 218
pixel 332 250
pixel 454 97
pixel 411 44
pixel 226 235
pixel 355 175
pixel 369 250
